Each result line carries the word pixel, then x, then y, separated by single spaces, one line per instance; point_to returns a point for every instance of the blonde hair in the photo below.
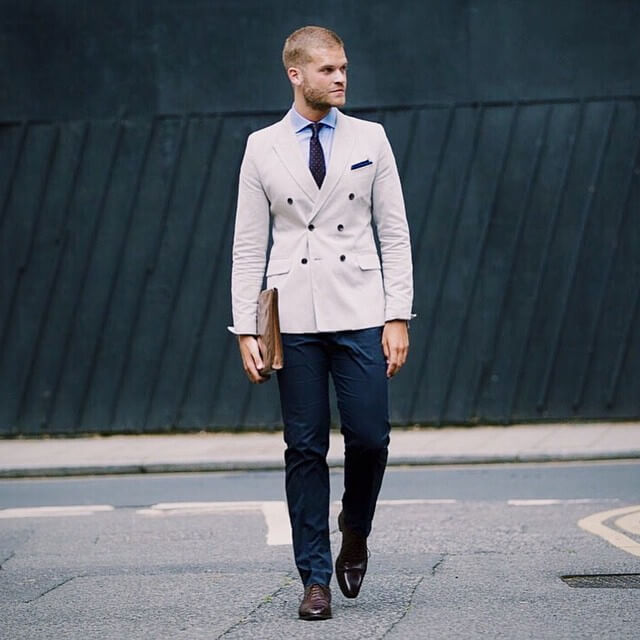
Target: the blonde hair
pixel 297 45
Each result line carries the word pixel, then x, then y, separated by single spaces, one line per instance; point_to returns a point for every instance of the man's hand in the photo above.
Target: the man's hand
pixel 395 345
pixel 251 359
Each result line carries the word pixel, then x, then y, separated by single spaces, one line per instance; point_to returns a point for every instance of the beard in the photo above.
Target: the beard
pixel 316 99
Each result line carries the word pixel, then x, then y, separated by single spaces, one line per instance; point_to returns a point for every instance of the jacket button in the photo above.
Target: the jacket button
pixel 304 261
pixel 343 258
pixel 311 227
pixel 290 200
pixel 351 196
pixel 340 227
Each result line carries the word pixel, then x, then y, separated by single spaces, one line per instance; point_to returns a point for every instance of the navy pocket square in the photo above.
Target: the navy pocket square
pixel 358 165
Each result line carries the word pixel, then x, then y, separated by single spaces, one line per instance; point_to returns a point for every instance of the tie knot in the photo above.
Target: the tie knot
pixel 315 128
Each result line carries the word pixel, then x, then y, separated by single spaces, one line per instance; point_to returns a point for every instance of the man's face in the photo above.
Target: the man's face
pixel 323 80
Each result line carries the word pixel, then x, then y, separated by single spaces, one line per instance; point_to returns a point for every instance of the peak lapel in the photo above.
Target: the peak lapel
pixel 288 150
pixel 343 141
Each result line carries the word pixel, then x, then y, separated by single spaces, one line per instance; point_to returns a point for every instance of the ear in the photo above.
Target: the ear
pixel 295 76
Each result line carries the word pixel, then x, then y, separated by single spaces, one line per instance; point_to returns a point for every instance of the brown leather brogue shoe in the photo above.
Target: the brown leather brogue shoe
pixel 316 603
pixel 351 563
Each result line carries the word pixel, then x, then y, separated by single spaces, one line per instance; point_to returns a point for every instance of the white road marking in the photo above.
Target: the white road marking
pixel 55 512
pixel 411 502
pixel 549 501
pixel 276 516
pixel 196 508
pixel 274 511
pixel 627 518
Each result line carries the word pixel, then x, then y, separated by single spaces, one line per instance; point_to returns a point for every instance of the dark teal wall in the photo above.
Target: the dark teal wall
pixel 122 126
pixel 72 59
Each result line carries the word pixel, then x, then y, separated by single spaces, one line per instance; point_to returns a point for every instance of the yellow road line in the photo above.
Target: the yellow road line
pixel 630 522
pixel 596 524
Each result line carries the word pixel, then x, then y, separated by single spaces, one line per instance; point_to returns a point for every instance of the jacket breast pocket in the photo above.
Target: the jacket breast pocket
pixel 368 261
pixel 363 175
pixel 360 184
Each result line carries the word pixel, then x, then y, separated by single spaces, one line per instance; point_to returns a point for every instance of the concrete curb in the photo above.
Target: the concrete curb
pixel 334 463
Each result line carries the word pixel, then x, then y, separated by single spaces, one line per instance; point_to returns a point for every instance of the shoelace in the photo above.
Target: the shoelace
pixel 316 591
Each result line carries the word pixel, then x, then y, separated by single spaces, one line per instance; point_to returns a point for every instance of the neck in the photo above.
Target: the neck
pixel 308 112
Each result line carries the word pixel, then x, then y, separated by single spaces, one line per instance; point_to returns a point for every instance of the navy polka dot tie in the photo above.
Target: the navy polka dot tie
pixel 316 157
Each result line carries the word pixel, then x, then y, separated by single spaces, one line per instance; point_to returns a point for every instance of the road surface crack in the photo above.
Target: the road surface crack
pixel 55 586
pixel 436 566
pixel 5 560
pixel 286 582
pixel 406 609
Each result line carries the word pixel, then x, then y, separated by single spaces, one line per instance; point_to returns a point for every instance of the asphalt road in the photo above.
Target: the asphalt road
pixel 472 552
pixel 473 482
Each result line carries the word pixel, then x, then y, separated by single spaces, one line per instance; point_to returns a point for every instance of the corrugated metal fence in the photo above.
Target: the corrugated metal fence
pixel 115 240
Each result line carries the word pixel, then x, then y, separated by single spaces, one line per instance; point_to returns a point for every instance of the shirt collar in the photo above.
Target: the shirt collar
pixel 300 122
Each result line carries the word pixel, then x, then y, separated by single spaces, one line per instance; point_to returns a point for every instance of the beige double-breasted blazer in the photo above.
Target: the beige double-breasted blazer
pixel 323 259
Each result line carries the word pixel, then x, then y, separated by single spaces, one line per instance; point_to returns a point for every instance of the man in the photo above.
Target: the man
pixel 320 178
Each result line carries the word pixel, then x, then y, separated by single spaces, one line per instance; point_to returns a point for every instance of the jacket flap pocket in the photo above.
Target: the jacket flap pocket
pixel 277 267
pixel 368 261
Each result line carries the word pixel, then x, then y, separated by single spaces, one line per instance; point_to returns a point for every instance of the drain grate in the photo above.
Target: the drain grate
pixel 605 581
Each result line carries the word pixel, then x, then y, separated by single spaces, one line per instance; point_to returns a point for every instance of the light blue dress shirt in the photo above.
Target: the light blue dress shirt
pixel 303 133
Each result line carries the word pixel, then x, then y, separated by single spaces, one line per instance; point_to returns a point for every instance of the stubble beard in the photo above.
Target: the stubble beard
pixel 316 100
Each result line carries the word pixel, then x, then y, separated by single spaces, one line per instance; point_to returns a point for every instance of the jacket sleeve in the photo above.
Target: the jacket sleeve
pixel 393 232
pixel 250 241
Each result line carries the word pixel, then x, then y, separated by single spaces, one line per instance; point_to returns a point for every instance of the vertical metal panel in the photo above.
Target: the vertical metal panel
pixel 622 316
pixel 203 270
pixel 421 179
pixel 507 415
pixel 621 212
pixel 218 389
pixel 475 269
pixel 431 388
pixel 579 232
pixel 227 393
pixel 51 254
pixel 116 242
pixel 525 169
pixel 97 387
pixel 18 238
pixel 16 157
pixel 130 416
pixel 92 194
pixel 622 354
pixel 166 362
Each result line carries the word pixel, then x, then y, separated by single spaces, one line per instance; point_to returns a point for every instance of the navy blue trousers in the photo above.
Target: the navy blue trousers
pixel 356 363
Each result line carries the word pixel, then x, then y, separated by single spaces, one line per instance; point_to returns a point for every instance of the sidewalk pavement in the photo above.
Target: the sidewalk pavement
pixel 259 451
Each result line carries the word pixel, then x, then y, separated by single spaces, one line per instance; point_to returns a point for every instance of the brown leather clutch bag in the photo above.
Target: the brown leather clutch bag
pixel 269 339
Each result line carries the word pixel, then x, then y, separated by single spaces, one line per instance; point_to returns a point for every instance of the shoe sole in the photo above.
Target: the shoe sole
pixel 315 616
